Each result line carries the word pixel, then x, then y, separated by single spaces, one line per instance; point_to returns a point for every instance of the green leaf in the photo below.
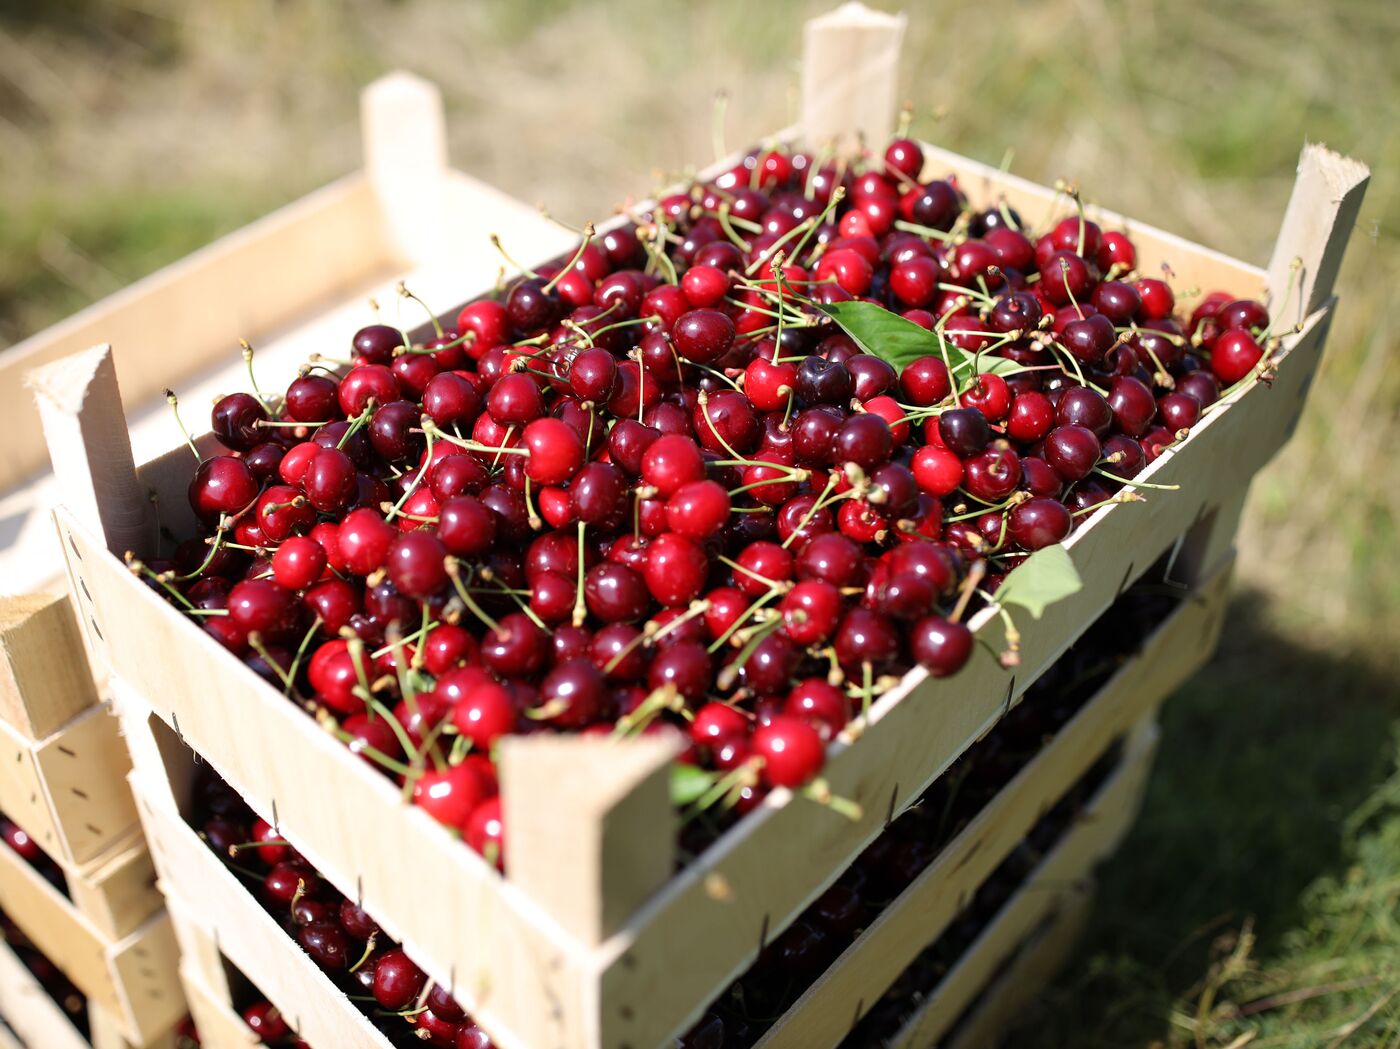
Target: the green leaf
pixel 689 784
pixel 1040 580
pixel 890 337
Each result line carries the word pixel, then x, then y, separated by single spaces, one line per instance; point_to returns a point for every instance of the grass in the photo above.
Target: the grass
pixel 1257 902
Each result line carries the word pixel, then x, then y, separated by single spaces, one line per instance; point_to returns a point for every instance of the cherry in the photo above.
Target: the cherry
pixel 676 568
pixel 1132 405
pixel 993 474
pixel 864 637
pixel 686 666
pixel 940 645
pixel 864 439
pixel 449 795
pixel 1039 523
pixel 1072 451
pixel 1179 411
pixel 1081 406
pixel 573 693
pixel 264 1020
pixel 1030 418
pixel 937 471
pixel 262 606
pixel 517 649
pixel 298 563
pixel 1234 356
pixel 791 750
pixel 615 593
pixel 925 381
pixel 237 421
pixel 703 335
pixel 824 382
pixel 221 485
pixel 397 981
pixel 417 564
pixel 365 385
pixel 822 705
pixel 1158 301
pixel 671 461
pixel 556 451
pixel 964 431
pixel 698 509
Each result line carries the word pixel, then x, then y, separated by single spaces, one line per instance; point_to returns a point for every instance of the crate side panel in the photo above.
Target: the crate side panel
pixel 44 678
pixel 83 770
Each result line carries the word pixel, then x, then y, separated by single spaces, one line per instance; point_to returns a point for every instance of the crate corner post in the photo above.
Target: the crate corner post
pixel 1317 224
pixel 80 406
pixel 591 826
pixel 850 75
pixel 404 133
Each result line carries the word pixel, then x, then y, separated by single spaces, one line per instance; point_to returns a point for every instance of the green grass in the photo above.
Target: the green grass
pixel 1259 896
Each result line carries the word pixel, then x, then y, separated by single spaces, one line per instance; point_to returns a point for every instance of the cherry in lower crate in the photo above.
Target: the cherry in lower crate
pixel 673 469
pixel 19 842
pixel 344 941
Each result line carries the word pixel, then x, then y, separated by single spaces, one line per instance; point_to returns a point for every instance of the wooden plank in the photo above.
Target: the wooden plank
pixel 35 1017
pixel 1191 265
pixel 592 827
pixel 1321 213
pixel 254 942
pixel 132 978
pixel 405 149
pixel 220 1026
pixel 1095 834
pixel 44 678
pixel 850 77
pixel 1033 967
pixel 497 950
pixel 117 890
pixel 104 1032
pixel 174 322
pixel 688 942
pixel 85 428
pixel 82 770
pixel 866 969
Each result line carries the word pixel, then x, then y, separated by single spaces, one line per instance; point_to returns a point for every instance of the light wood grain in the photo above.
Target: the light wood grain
pixel 220 1026
pixel 850 78
pixel 405 150
pixel 44 678
pixel 26 1006
pixel 860 977
pixel 1321 215
pixel 1094 835
pixel 592 831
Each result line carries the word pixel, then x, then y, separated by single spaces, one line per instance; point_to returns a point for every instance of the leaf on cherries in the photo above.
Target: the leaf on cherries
pixel 900 342
pixel 1042 579
pixel 689 784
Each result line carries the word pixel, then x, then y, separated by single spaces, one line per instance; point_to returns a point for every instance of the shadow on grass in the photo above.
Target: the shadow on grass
pixel 1264 755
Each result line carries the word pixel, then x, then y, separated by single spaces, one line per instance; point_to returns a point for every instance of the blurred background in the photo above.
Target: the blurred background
pixel 1258 902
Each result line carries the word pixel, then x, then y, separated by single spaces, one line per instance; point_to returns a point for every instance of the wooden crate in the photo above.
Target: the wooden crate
pixel 298 278
pixel 45 681
pixel 36 1021
pixel 68 789
pixel 131 979
pixel 217 920
pixel 1030 969
pixel 617 955
pixel 219 1025
pixel 919 915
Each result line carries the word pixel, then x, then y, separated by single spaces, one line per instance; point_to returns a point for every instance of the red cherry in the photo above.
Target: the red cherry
pixel 791 749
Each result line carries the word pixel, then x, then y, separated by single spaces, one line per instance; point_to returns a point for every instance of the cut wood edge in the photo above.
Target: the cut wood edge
pixel 81 409
pixel 1313 236
pixel 592 829
pixel 404 136
pixel 850 76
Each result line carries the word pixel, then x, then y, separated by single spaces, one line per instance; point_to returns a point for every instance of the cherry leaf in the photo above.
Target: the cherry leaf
pixel 1045 577
pixel 689 784
pixel 887 335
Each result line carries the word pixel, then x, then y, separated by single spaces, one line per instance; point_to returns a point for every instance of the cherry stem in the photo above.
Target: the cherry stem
pixel 266 402
pixel 301 651
pixel 580 605
pixel 454 572
pixel 975 575
pixel 582 247
pixel 1137 484
pixel 174 403
pixel 496 243
pixel 820 792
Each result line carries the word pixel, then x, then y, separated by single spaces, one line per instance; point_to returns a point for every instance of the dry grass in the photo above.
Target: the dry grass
pixel 134 130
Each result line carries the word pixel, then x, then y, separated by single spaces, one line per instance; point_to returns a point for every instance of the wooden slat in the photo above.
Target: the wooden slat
pixel 860 977
pixel 220 1026
pixel 133 978
pixel 689 942
pixel 850 77
pixel 1321 215
pixel 199 884
pixel 1033 967
pixel 117 891
pixel 175 321
pixel 27 1008
pixel 501 955
pixel 73 784
pixel 592 827
pixel 90 447
pixel 405 149
pixel 1094 836
pixel 1191 265
pixel 44 678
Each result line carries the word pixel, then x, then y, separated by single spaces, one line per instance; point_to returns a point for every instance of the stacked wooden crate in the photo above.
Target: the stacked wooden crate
pixel 63 770
pixel 591 942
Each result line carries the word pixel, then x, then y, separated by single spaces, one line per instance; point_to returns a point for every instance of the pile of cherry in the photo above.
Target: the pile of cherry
pixel 656 484
pixel 338 935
